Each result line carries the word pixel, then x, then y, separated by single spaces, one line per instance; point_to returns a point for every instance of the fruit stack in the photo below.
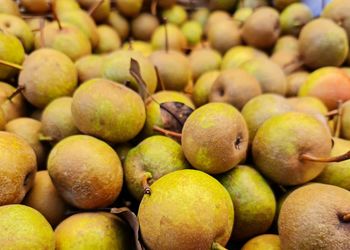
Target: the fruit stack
pixel 185 125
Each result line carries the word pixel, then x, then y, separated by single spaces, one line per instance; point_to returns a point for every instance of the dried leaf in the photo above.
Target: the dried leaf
pixel 126 214
pixel 136 73
pixel 174 115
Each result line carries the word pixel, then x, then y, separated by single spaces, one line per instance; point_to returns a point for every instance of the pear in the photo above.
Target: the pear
pixel 29 129
pixel 65 38
pixel 153 158
pixel 9 7
pixel 204 60
pixel 18 223
pixel 219 122
pixel 329 84
pixel 238 55
pixel 143 26
pixel 200 15
pixel 101 13
pixel 294 17
pixel 72 168
pixel 108 110
pixel 175 39
pixel 119 23
pixel 18 168
pixel 323 43
pixel 241 15
pixel 345 121
pixel 89 67
pixel 338 11
pixel 13 108
pixel 57 121
pixel 145 48
pixel 193 32
pixel 176 14
pixel 230 85
pixel 294 155
pixel 270 75
pixel 45 198
pixel 253 201
pixel 122 151
pixel 337 173
pixel 263 242
pixel 261 108
pixel 94 231
pixel 231 38
pixel 214 18
pixel 173 67
pixel 289 61
pixel 10 43
pixel 120 60
pixel 16 26
pixel 262 28
pixel 202 87
pixel 160 213
pixel 39 87
pixel 222 4
pixel 295 81
pixel 286 43
pixel 252 3
pixel 153 110
pixel 282 4
pixel 346 70
pixel 109 39
pixel 2 120
pixel 36 6
pixel 61 6
pixel 319 211
pixel 129 8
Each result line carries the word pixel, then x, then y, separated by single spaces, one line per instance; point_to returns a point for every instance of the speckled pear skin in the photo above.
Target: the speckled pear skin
pixel 215 138
pixel 89 67
pixel 108 110
pixel 202 87
pixel 263 242
pixel 23 227
pixel 280 142
pixel 93 231
pixel 156 155
pixel 187 209
pixel 86 171
pixel 310 218
pixel 253 199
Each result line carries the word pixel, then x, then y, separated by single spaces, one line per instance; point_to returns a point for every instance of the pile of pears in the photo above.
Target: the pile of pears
pixel 167 125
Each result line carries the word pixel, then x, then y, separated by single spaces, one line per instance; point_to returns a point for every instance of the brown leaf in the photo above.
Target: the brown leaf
pixel 174 115
pixel 136 73
pixel 126 214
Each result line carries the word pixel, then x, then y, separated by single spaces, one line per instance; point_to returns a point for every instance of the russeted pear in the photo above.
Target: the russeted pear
pixel 286 43
pixel 215 138
pixel 9 7
pixel 101 13
pixel 19 223
pixel 13 108
pixel 119 23
pixel 315 216
pixel 253 201
pixel 29 129
pixel 193 32
pixel 36 6
pixel 263 242
pixel 294 17
pixel 290 154
pixel 167 224
pixel 44 198
pixel 129 8
pixel 97 230
pixel 202 87
pixel 18 168
pixel 288 61
pixel 151 159
pixel 204 60
pixel 109 39
pixel 143 26
pixel 176 14
pixel 72 167
pixel 214 18
pixel 230 86
pixel 57 121
pixel 108 110
pixel 89 67
pixel 295 81
pixel 176 39
pixel 339 12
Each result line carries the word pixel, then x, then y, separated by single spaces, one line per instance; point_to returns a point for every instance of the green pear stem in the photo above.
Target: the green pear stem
pixel 12 65
pixel 338 158
pixel 167 132
pixel 345 217
pixel 17 91
pixel 217 246
pixel 45 138
pixel 145 184
pixel 94 7
pixel 339 118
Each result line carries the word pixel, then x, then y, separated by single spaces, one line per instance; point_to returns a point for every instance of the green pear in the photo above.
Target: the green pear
pixel 263 242
pixel 345 121
pixel 203 60
pixel 122 151
pixel 241 15
pixel 153 158
pixel 109 39
pixel 253 200
pixel 61 6
pixel 193 32
pixel 9 7
pixel 220 123
pixel 176 39
pixel 202 87
pixel 94 231
pixel 101 13
pixel 143 26
pixel 183 225
pixel 89 67
pixel 200 15
pixel 18 223
pixel 57 121
pixel 295 81
pixel 129 8
pixel 288 153
pixel 294 17
pixel 145 48
pixel 119 23
pixel 286 43
pixel 18 168
pixel 13 108
pixel 338 11
pixel 261 108
pixel 282 4
pixel 108 110
pixel 176 14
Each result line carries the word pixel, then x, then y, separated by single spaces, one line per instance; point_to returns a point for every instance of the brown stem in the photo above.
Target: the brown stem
pixel 12 65
pixel 332 113
pixel 339 118
pixel 166 34
pixel 159 79
pixel 217 246
pixel 53 9
pixel 345 217
pixel 94 7
pixel 154 5
pixel 17 91
pixel 339 158
pixel 167 132
pixel 145 184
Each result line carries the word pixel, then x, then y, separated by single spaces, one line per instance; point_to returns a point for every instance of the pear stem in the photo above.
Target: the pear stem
pixel 332 113
pixel 94 7
pixel 45 138
pixel 166 35
pixel 167 132
pixel 159 79
pixel 13 65
pixel 52 5
pixel 17 91
pixel 339 118
pixel 339 158
pixel 217 246
pixel 145 184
